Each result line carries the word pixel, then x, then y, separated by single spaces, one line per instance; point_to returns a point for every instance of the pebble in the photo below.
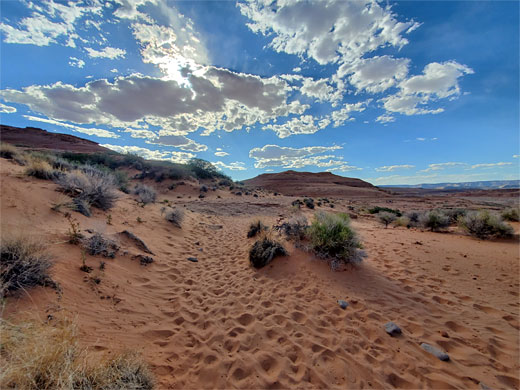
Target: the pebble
pixel 193 259
pixel 343 304
pixel 392 329
pixel 441 355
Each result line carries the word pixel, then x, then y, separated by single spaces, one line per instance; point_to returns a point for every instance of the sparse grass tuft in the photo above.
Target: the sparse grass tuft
pixel 483 225
pixel 8 151
pixel 175 216
pixel 145 194
pixel 24 263
pixel 511 214
pixel 256 228
pixel 264 251
pixel 434 220
pixel 38 355
pixel 333 238
pixel 41 170
pixel 98 244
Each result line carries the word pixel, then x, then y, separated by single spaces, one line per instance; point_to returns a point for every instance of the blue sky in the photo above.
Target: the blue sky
pixel 390 92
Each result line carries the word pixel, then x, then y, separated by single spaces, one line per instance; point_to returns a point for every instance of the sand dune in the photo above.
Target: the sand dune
pixel 218 323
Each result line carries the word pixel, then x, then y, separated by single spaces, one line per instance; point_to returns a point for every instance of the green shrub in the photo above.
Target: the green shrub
pixel 377 209
pixel 24 263
pixel 386 218
pixel 264 251
pixel 511 214
pixel 332 237
pixel 434 220
pixel 483 224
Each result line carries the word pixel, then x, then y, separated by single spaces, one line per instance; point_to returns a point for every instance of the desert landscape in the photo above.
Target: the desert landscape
pixel 181 292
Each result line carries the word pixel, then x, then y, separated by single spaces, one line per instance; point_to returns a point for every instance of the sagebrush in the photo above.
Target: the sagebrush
pixel 483 225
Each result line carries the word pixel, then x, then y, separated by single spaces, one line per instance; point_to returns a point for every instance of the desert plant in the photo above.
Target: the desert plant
pixel 378 209
pixel 434 220
pixel 145 194
pixel 74 232
pixel 295 228
pixel 255 228
pixel 454 214
pixel 47 355
pixel 511 214
pixel 264 251
pixel 402 221
pixel 386 218
pixel 24 263
pixel 483 224
pixel 98 244
pixel 175 216
pixel 8 151
pixel 203 188
pixel 333 238
pixel 94 186
pixel 413 217
pixel 41 170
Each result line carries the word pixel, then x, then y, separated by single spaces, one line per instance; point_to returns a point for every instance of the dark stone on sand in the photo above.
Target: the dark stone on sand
pixel 392 329
pixel 343 304
pixel 441 355
pixel 193 259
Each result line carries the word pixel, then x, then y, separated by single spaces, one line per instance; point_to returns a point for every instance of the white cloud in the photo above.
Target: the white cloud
pixel 441 166
pixel 385 118
pixel 516 155
pixel 391 168
pixel 286 157
pixel 149 154
pixel 490 165
pixel 421 139
pixel 141 133
pixel 319 89
pixel 339 117
pixel 221 154
pixel 102 133
pixel 327 31
pixel 436 178
pixel 114 70
pixel 111 53
pixel 304 124
pixel 297 69
pixel 234 166
pixel 7 109
pixel 76 62
pixel 179 141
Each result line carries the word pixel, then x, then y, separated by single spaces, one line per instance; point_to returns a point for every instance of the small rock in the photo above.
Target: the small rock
pixel 343 304
pixel 193 259
pixel 392 329
pixel 483 386
pixel 445 334
pixel 197 243
pixel 441 355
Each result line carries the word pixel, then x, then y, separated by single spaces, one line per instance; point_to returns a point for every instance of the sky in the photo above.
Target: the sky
pixel 401 92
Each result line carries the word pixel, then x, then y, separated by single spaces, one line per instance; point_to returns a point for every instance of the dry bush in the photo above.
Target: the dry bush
pixel 333 238
pixel 41 169
pixel 37 355
pixel 175 216
pixel 145 194
pixel 434 220
pixel 24 263
pixel 8 151
pixel 386 218
pixel 256 228
pixel 511 214
pixel 97 244
pixel 265 250
pixel 295 228
pixel 414 217
pixel 402 221
pixel 483 224
pixel 95 187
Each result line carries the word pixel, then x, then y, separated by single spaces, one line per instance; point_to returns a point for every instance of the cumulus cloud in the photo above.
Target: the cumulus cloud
pixel 76 62
pixel 102 133
pixel 112 53
pixel 287 157
pixel 391 168
pixel 385 118
pixel 7 109
pixel 221 154
pixel 234 166
pixel 179 141
pixel 305 124
pixel 328 32
pixel 516 155
pixel 440 166
pixel 150 154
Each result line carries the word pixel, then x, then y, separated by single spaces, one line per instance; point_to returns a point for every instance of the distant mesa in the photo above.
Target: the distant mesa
pixel 294 183
pixel 35 138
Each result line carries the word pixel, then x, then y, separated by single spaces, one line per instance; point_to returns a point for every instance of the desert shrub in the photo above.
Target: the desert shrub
pixel 255 228
pixel 82 206
pixel 483 224
pixel 203 169
pixel 203 188
pixel 94 186
pixel 225 182
pixel 38 355
pixel 454 214
pixel 24 263
pixel 175 216
pixel 434 220
pixel 386 218
pixel 97 244
pixel 309 202
pixel 121 181
pixel 402 221
pixel 295 228
pixel 297 203
pixel 41 169
pixel 332 237
pixel 264 251
pixel 511 214
pixel 378 209
pixel 62 164
pixel 8 151
pixel 145 194
pixel 413 217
